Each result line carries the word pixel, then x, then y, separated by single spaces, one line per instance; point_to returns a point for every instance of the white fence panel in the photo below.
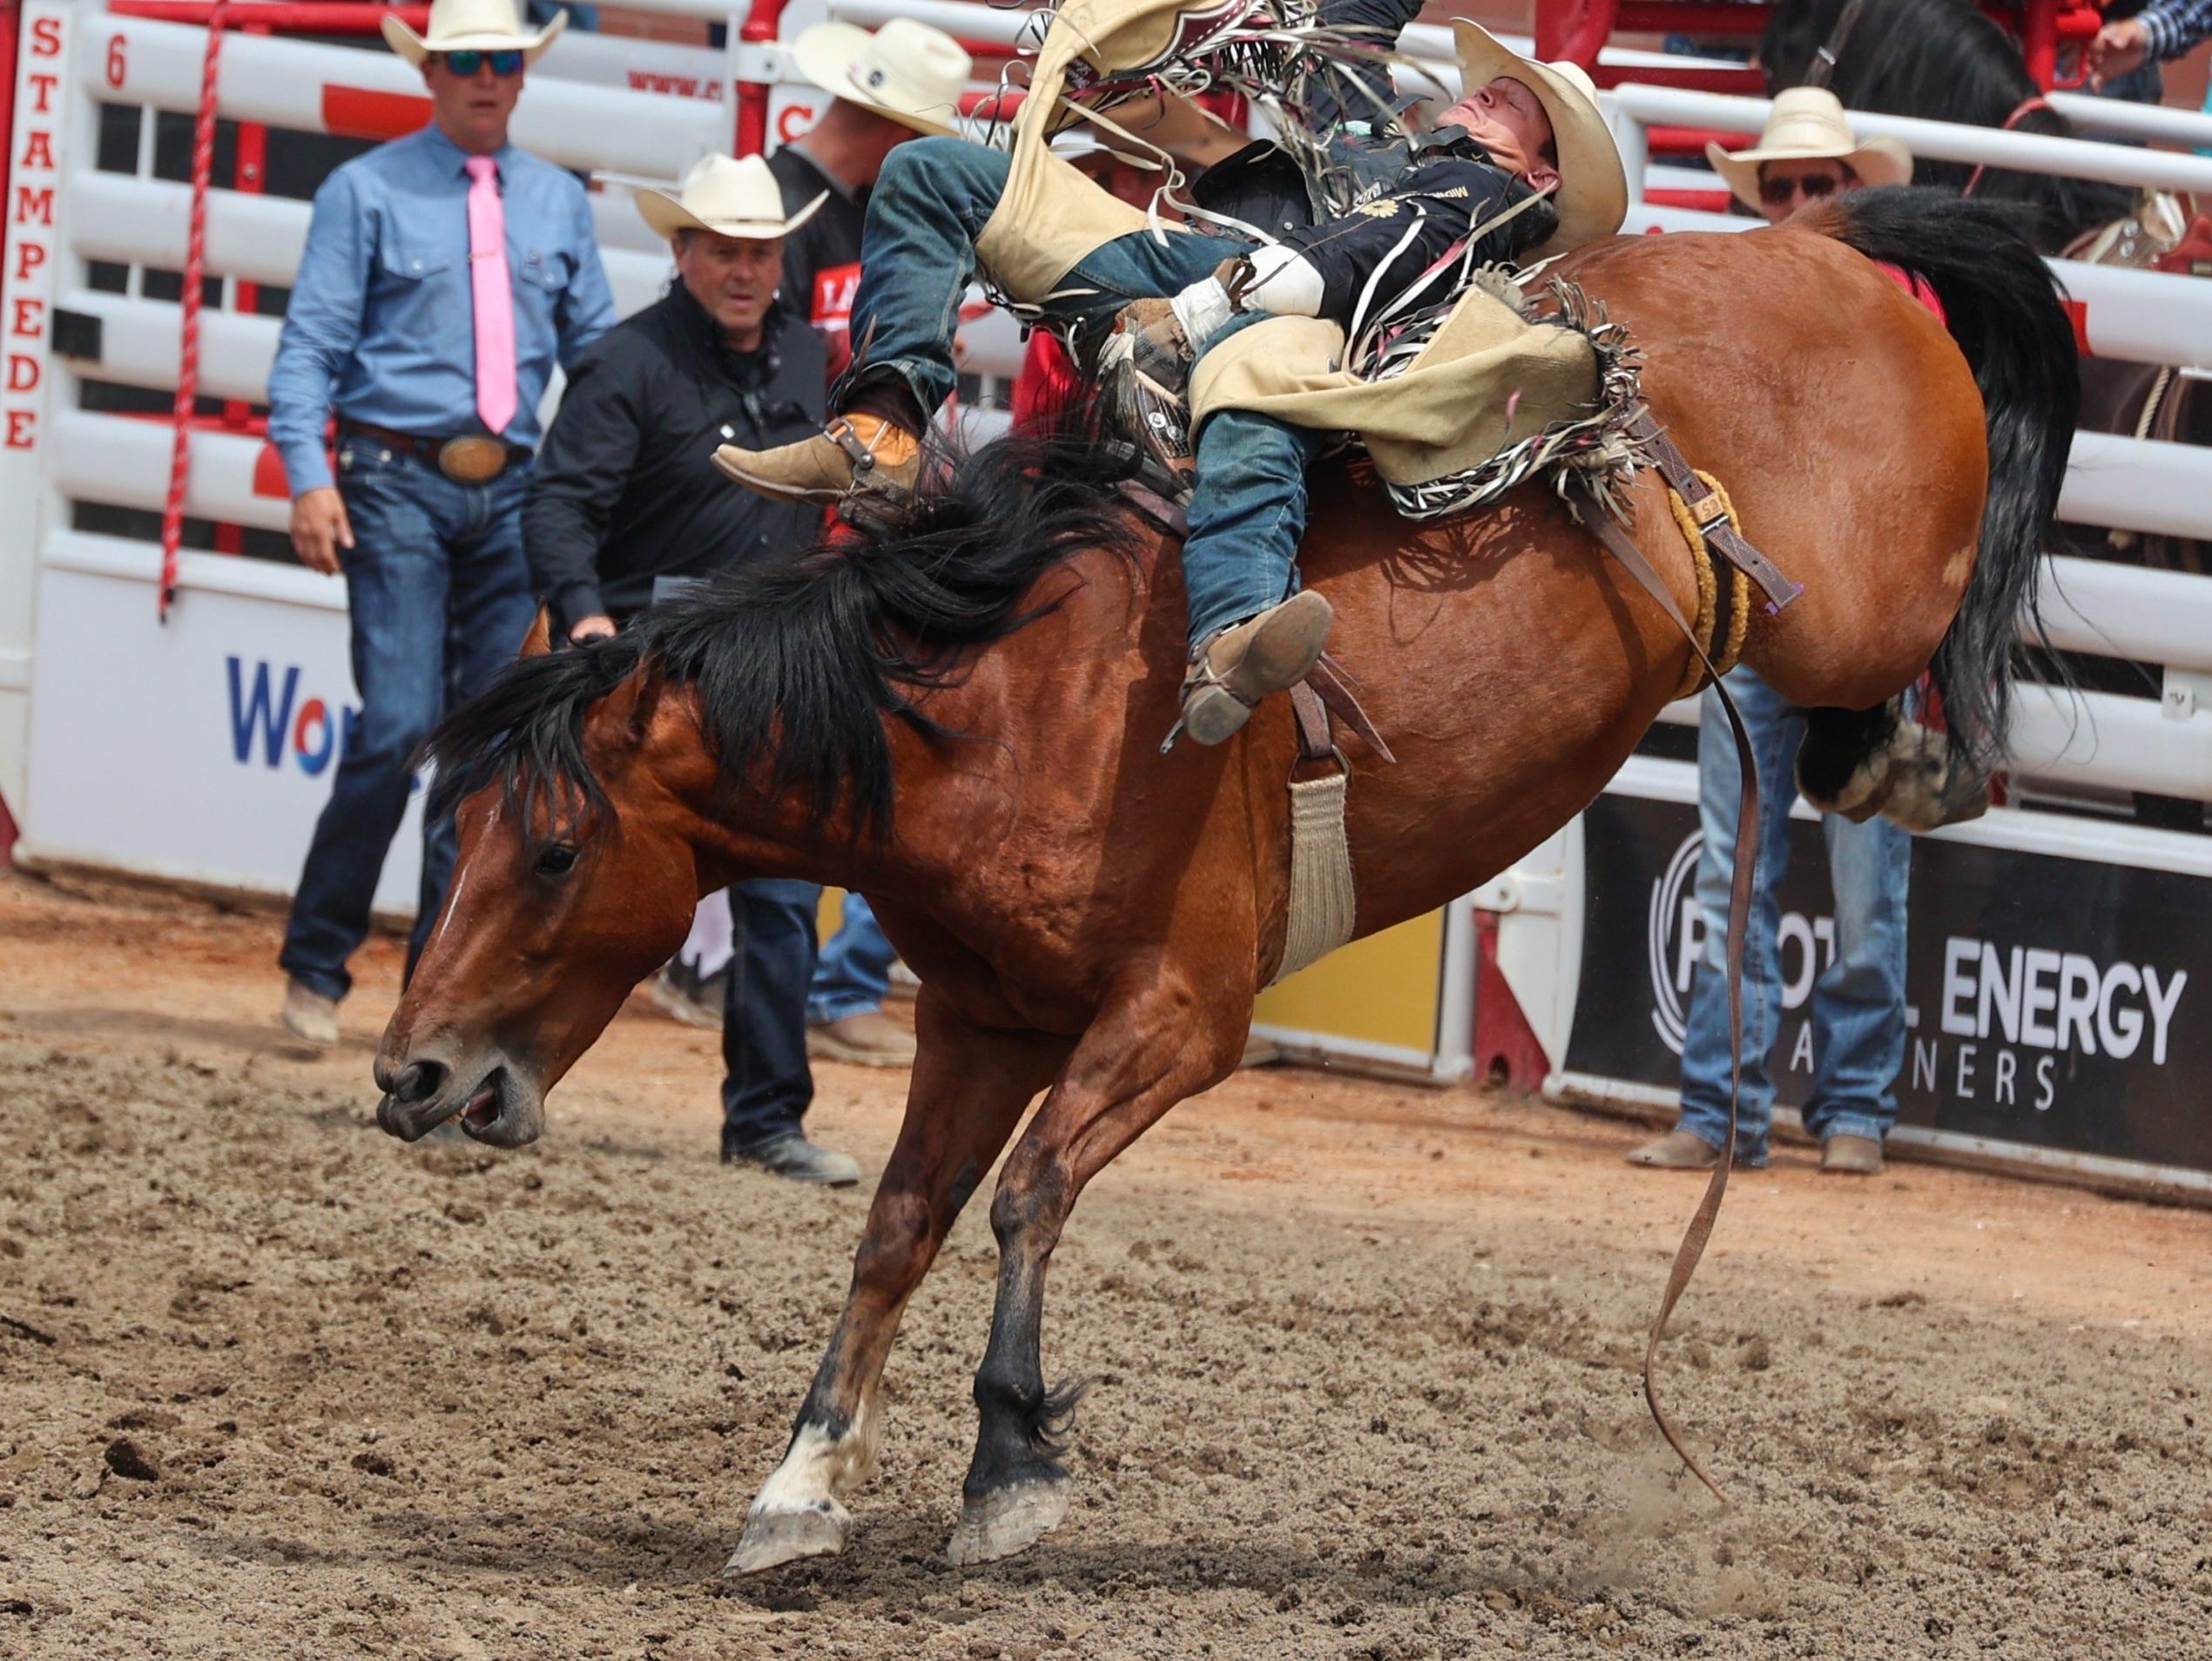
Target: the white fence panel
pixel 228 720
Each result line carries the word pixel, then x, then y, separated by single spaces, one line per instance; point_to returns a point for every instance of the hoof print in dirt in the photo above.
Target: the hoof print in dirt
pixel 131 1462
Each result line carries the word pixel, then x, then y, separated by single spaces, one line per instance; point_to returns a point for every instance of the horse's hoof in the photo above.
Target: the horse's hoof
pixel 1005 1521
pixel 774 1537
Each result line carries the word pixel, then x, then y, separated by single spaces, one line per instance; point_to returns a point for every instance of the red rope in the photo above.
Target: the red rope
pixel 203 168
pixel 2026 106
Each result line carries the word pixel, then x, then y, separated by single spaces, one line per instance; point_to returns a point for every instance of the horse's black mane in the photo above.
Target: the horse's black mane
pixel 1945 61
pixel 795 662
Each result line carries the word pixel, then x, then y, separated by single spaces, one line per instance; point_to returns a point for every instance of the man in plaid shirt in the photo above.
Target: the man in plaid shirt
pixel 2159 33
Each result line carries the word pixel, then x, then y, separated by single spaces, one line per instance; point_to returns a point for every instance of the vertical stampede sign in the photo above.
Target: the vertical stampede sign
pixel 2052 1002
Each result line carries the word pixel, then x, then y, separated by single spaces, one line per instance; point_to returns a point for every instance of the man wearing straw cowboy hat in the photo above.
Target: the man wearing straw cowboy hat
pixel 625 497
pixel 1522 164
pixel 444 274
pixel 1853 1042
pixel 1806 155
pixel 902 82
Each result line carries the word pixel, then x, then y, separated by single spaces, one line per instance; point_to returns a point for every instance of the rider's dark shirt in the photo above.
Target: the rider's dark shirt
pixel 1451 189
pixel 624 490
pixel 1447 186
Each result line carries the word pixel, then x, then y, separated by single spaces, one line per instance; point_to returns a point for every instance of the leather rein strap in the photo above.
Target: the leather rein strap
pixel 1607 529
pixel 1709 509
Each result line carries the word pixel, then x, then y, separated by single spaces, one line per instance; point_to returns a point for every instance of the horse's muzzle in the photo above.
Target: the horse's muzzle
pixel 497 1107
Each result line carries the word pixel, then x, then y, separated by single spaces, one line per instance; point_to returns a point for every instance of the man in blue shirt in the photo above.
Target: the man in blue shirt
pixel 444 274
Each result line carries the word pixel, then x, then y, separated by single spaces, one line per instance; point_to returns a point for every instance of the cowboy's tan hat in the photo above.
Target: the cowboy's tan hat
pixel 470 26
pixel 1808 124
pixel 907 71
pixel 727 197
pixel 1593 196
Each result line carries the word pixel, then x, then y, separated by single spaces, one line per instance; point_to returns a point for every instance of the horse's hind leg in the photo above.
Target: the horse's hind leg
pixel 1859 763
pixel 1135 1062
pixel 970 1086
pixel 1844 765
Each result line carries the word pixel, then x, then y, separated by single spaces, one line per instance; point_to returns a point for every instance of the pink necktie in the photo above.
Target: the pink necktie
pixel 494 296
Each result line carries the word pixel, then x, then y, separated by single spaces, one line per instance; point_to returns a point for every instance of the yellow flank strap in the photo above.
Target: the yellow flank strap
pixel 1723 652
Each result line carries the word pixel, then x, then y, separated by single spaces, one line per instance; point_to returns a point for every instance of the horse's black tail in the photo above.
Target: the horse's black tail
pixel 2002 307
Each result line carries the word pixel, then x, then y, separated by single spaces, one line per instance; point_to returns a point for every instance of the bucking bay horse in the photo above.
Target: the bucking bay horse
pixel 961 717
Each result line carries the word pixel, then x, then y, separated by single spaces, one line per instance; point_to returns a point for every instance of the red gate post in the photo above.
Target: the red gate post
pixel 758 28
pixel 10 24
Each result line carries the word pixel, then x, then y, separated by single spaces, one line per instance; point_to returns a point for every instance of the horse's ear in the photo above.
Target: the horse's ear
pixel 634 700
pixel 539 640
pixel 652 681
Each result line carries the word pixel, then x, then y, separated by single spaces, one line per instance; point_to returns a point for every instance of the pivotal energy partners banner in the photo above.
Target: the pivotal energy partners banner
pixel 2055 1002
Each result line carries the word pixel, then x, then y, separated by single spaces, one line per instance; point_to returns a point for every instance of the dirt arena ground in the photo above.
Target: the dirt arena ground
pixel 273 1386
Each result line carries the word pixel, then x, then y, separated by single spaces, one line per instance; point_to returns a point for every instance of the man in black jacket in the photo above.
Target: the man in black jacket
pixel 625 495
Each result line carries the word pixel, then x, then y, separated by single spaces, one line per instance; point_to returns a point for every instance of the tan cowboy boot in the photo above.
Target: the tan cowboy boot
pixel 1239 666
pixel 857 452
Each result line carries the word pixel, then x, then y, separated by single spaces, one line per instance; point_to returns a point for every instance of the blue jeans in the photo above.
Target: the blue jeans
pixel 918 257
pixel 854 972
pixel 1858 999
pixel 766 1086
pixel 439 598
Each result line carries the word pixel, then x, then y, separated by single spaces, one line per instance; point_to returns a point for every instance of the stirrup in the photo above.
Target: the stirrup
pixel 1159 423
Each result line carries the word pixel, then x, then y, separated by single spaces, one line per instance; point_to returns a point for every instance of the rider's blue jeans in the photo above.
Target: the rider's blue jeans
pixel 439 599
pixel 1857 998
pixel 918 257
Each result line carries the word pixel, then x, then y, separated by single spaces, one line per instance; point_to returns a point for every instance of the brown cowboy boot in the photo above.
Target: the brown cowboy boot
pixel 1239 666
pixel 859 452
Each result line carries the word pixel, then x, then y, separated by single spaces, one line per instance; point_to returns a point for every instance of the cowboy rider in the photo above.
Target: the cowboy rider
pixel 1524 136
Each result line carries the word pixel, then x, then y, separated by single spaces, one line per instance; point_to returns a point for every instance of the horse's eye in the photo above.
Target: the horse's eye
pixel 556 860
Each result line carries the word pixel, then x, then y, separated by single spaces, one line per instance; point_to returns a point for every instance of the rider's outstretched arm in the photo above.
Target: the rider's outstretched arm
pixel 1362 93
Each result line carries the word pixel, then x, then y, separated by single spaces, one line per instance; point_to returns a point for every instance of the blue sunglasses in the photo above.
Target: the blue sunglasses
pixel 507 61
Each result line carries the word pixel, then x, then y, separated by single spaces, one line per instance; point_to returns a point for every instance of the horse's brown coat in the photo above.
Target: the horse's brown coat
pixel 1090 916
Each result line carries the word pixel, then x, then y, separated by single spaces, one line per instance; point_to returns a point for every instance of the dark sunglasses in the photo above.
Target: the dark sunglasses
pixel 1775 191
pixel 505 61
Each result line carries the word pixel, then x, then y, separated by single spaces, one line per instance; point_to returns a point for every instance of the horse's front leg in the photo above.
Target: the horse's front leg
pixel 1136 1060
pixel 970 1086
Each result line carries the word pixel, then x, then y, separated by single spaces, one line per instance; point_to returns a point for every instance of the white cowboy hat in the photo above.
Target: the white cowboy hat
pixel 907 70
pixel 1807 124
pixel 470 26
pixel 1593 195
pixel 728 197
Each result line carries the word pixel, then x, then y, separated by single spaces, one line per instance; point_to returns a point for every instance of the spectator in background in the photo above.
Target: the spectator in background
pixel 444 274
pixel 627 499
pixel 897 83
pixel 2160 32
pixel 1806 155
